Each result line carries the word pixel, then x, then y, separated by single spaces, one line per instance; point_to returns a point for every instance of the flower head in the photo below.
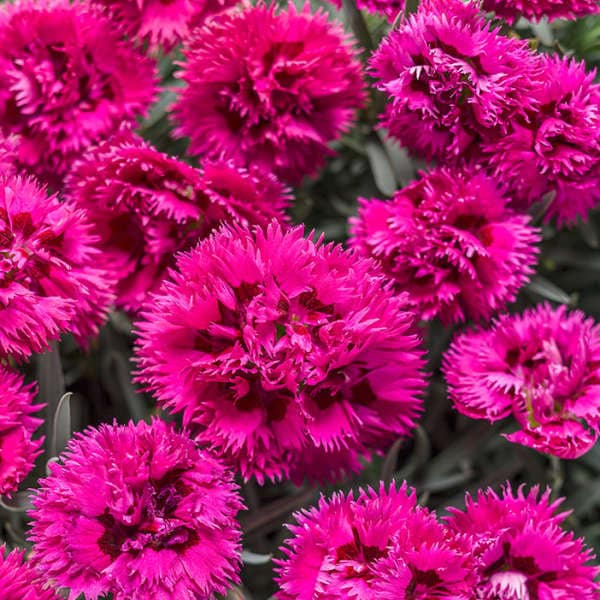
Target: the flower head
pixel 282 353
pixel 69 80
pixel 18 580
pixel 146 206
pixel 542 367
pixel 449 241
pixel 138 511
pixel 520 549
pixel 18 450
pixel 535 10
pixel 387 8
pixel 379 545
pixel 556 149
pixel 269 88
pixel 51 274
pixel 451 79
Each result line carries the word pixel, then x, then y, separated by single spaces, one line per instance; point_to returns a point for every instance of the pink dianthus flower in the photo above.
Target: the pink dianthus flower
pixel 269 88
pixel 19 581
pixel 387 8
pixel 146 206
pixel 534 10
pixel 449 241
pixel 68 81
pixel 542 367
pixel 451 80
pixel 520 549
pixel 282 353
pixel 140 512
pixel 18 450
pixel 380 545
pixel 51 274
pixel 556 148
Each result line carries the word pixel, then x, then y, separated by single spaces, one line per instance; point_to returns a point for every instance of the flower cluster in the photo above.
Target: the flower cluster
pixel 147 206
pixel 269 88
pixel 68 81
pixel 450 242
pixel 511 10
pixel 541 367
pixel 19 581
pixel 140 512
pixel 282 353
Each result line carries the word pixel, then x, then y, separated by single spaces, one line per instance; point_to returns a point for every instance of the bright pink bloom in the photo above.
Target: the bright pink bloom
pixel 51 274
pixel 380 545
pixel 18 580
pixel 520 549
pixel 269 88
pixel 9 148
pixel 451 80
pixel 556 148
pixel 534 10
pixel 282 353
pixel 450 242
pixel 388 8
pixel 138 511
pixel 68 81
pixel 146 206
pixel 543 367
pixel 162 23
pixel 18 450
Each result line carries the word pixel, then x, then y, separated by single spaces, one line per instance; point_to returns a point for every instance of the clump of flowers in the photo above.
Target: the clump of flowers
pixel 535 10
pixel 452 80
pixel 162 24
pixel 138 511
pixel 19 581
pixel 541 367
pixel 269 88
pixel 286 356
pixel 379 545
pixel 51 274
pixel 556 149
pixel 18 450
pixel 69 80
pixel 520 549
pixel 450 241
pixel 146 206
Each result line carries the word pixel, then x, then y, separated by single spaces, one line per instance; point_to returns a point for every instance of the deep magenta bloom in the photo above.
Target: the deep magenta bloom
pixel 140 512
pixel 162 23
pixel 380 545
pixel 557 148
pixel 450 241
pixel 18 450
pixel 51 274
pixel 68 81
pixel 451 80
pixel 542 367
pixel 388 8
pixel 520 549
pixel 269 88
pixel 146 206
pixel 288 357
pixel 19 581
pixel 534 10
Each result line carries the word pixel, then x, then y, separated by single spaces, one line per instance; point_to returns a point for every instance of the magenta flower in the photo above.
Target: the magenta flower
pixel 542 367
pixel 534 10
pixel 271 89
pixel 387 8
pixel 520 549
pixel 68 81
pixel 557 148
pixel 162 24
pixel 282 354
pixel 449 241
pixel 18 580
pixel 51 274
pixel 18 450
pixel 147 206
pixel 379 545
pixel 140 512
pixel 451 80
pixel 9 153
